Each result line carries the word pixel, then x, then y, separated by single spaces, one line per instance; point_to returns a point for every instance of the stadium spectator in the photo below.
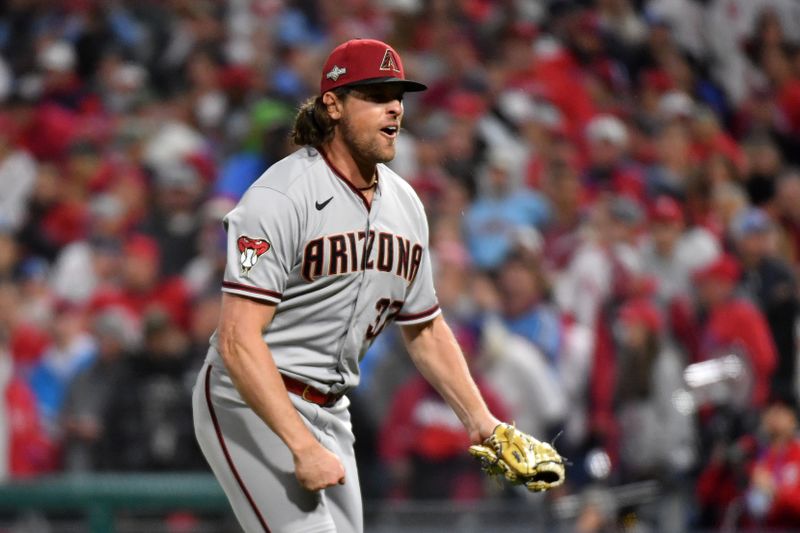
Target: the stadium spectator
pixel 264 144
pixel 141 288
pixel 174 219
pixel 604 261
pixel 26 450
pixel 89 265
pixel 9 252
pixel 561 185
pixel 525 309
pixel 37 298
pixel 27 341
pixel 203 322
pixel 656 439
pixel 204 270
pixel 609 172
pixel 765 165
pixel 520 341
pixel 672 168
pixel 17 176
pixel 671 251
pixel 773 498
pixel 71 350
pixel 150 427
pixel 422 444
pixel 722 480
pixel 735 325
pixel 535 396
pixel 502 208
pixel 788 216
pixel 90 394
pixel 771 284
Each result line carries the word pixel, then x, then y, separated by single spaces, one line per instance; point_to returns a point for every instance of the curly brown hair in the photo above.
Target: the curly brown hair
pixel 313 125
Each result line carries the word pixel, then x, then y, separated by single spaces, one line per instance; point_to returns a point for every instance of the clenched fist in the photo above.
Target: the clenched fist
pixel 317 468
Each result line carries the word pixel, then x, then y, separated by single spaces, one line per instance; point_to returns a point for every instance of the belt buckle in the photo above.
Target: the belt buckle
pixel 305 391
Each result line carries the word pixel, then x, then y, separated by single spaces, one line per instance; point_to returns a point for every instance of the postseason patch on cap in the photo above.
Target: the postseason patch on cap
pixel 335 73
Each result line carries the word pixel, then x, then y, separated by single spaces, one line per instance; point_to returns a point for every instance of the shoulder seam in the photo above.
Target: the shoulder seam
pixel 291 180
pixel 271 188
pixel 296 209
pixel 282 193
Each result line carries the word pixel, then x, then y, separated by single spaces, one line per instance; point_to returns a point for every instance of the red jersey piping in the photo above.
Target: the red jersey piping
pixel 339 175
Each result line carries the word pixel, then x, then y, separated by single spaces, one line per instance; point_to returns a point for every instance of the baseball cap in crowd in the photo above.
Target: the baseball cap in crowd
pixel 176 176
pixel 749 222
pixel 676 104
pixel 641 311
pixel 656 79
pixel 364 62
pixel 58 57
pixel 106 206
pixel 725 269
pixel 466 104
pixel 142 246
pixel 625 210
pixel 34 268
pixel 607 128
pixel 666 210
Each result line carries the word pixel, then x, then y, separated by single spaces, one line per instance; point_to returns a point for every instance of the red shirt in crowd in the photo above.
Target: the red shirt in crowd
pixel 420 423
pixel 789 104
pixel 784 465
pixel 624 180
pixel 721 144
pixel 737 322
pixel 171 296
pixel 27 344
pixel 30 451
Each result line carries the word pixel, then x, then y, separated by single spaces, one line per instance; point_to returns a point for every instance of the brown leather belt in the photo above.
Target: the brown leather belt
pixel 309 393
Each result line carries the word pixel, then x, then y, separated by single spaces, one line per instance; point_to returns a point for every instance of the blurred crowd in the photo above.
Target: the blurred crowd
pixel 613 192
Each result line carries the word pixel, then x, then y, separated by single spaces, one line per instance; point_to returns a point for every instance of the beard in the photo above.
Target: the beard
pixel 363 147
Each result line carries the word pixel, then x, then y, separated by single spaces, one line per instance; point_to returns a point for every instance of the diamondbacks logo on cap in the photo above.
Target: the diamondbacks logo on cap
pixel 389 62
pixel 250 250
pixel 335 72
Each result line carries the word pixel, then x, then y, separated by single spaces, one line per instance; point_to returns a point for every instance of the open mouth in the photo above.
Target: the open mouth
pixel 390 131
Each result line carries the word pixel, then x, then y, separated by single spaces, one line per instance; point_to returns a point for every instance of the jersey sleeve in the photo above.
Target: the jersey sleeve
pixel 262 236
pixel 420 304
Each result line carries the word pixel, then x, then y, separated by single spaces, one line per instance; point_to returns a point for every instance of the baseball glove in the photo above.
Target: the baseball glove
pixel 520 458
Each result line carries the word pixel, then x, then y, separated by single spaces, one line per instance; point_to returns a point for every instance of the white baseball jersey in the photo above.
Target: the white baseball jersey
pixel 340 270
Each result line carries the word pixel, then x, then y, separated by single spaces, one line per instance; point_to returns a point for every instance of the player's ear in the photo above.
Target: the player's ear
pixel 333 105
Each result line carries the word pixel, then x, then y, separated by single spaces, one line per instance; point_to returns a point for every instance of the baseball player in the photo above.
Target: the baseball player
pixel 325 249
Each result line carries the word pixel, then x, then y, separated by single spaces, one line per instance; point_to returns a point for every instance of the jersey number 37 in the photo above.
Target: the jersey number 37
pixel 387 310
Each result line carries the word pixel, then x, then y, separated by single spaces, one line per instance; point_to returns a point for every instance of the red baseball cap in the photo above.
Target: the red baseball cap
pixel 364 62
pixel 142 246
pixel 666 210
pixel 725 269
pixel 641 311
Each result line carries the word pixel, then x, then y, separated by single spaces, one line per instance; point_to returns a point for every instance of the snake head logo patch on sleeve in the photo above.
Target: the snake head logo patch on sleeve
pixel 249 251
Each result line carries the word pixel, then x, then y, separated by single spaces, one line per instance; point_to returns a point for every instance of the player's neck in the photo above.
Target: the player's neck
pixel 362 174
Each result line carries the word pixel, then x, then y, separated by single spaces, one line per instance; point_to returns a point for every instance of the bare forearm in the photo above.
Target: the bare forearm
pixel 253 371
pixel 438 357
pixel 256 377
